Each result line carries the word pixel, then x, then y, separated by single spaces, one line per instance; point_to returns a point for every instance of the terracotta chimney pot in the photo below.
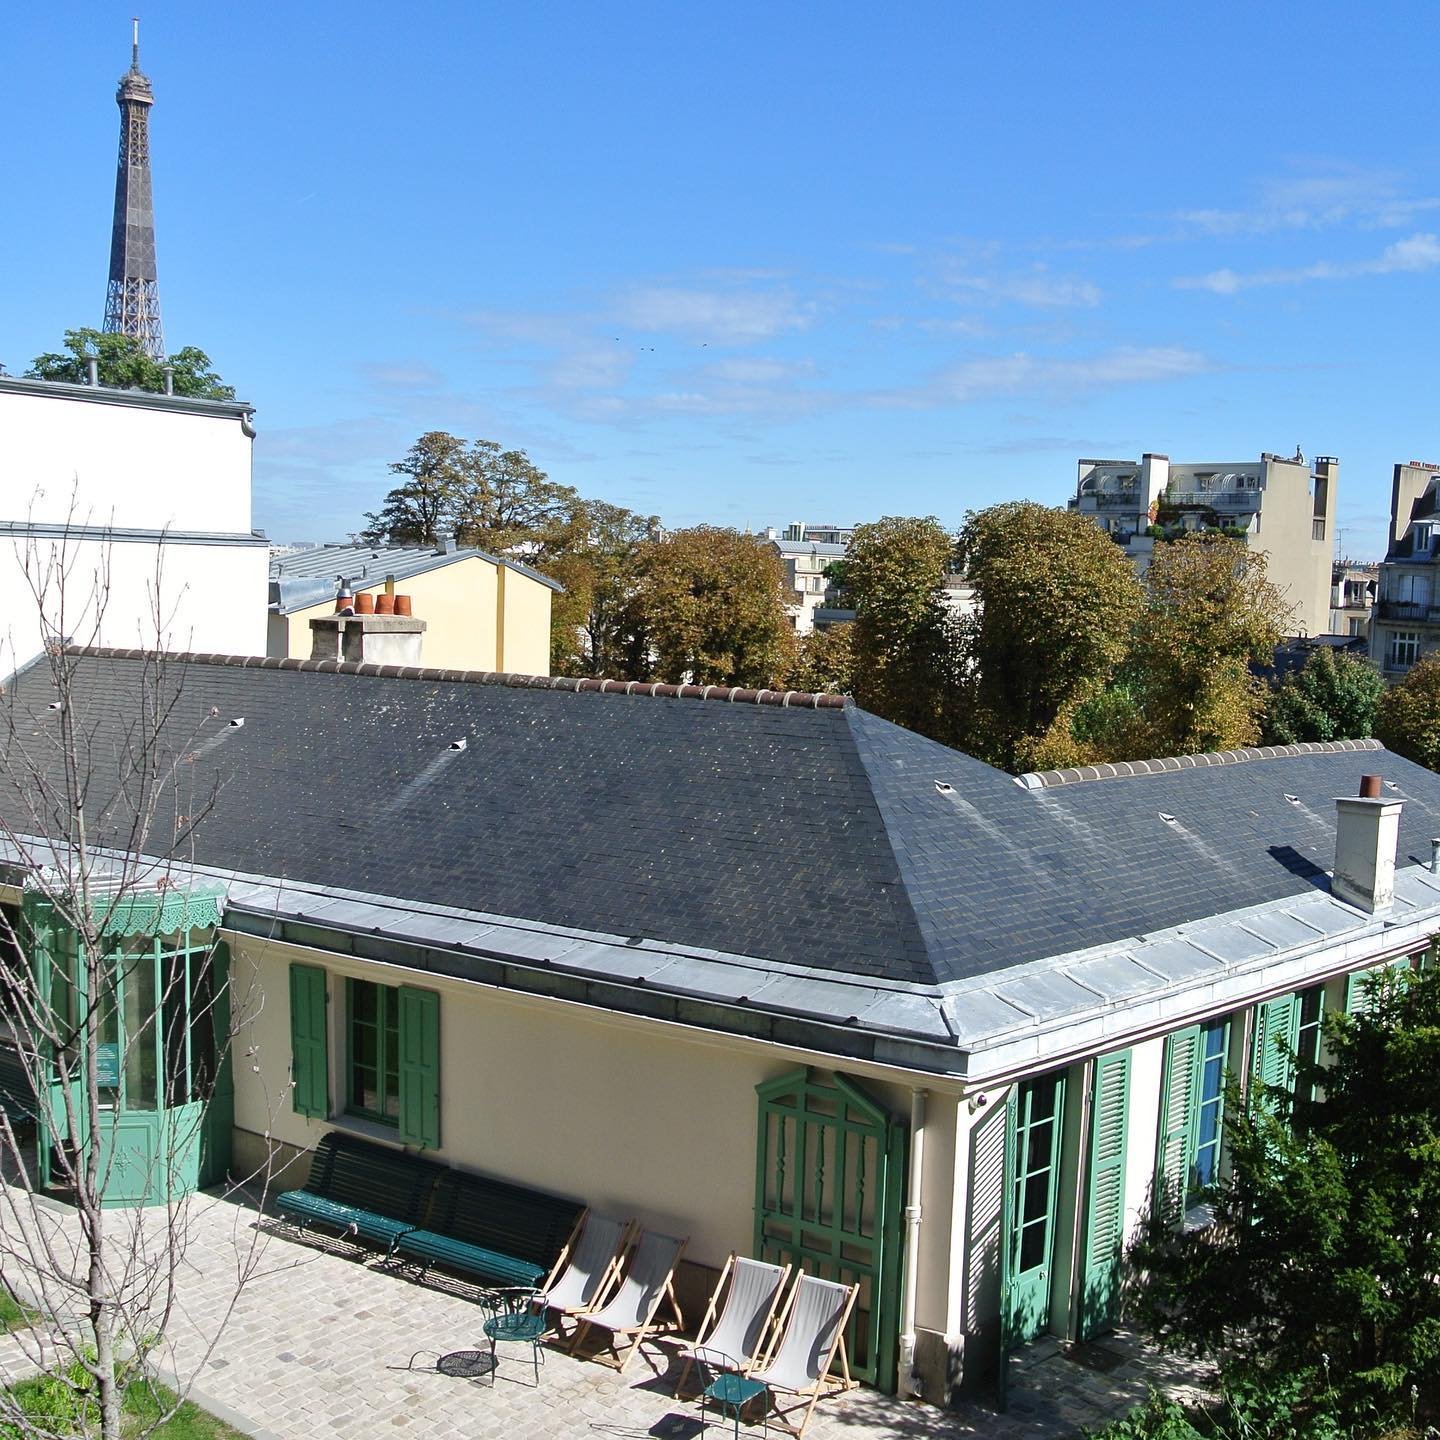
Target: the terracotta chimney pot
pixel 364 603
pixel 402 605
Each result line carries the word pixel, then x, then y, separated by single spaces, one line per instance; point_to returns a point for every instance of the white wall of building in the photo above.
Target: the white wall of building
pixel 147 463
pixel 98 592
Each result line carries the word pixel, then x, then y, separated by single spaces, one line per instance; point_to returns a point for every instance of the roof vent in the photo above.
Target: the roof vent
pixel 237 722
pixel 943 788
pixel 56 705
pixel 1293 799
pixel 460 744
pixel 636 940
pixel 1168 819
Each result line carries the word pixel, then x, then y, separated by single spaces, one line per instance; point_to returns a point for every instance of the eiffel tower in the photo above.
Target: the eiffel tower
pixel 132 303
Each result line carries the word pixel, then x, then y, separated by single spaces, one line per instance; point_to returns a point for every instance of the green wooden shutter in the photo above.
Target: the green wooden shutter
pixel 1356 998
pixel 1007 1226
pixel 1273 1061
pixel 420 1067
pixel 309 1041
pixel 1105 1198
pixel 1177 1119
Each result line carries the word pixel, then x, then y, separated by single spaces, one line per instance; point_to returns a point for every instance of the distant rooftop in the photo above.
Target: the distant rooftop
pixel 302 578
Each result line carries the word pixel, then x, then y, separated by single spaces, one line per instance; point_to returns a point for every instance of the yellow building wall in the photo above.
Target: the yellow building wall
pixel 459 604
pixel 632 1116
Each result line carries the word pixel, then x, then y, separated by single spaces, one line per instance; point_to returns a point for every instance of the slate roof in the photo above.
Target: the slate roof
pixel 820 837
pixel 303 578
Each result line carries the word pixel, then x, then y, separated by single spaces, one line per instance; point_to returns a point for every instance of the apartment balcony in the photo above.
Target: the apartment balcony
pixel 1413 612
pixel 1246 500
pixel 1116 500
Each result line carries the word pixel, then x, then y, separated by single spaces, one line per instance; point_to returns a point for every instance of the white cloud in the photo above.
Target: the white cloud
pixel 1024 374
pixel 713 316
pixel 1346 196
pixel 1413 255
pixel 1036 287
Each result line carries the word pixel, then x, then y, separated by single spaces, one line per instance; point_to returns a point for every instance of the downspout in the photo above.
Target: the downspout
pixel 906 1379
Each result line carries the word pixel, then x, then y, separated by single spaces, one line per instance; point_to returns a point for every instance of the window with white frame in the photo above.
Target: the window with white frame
pixel 1404 649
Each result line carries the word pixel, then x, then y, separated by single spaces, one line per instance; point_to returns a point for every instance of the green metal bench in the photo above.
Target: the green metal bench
pixel 362 1189
pixel 502 1234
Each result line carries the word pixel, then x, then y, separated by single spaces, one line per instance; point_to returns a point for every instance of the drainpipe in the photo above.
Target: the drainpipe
pixel 906 1379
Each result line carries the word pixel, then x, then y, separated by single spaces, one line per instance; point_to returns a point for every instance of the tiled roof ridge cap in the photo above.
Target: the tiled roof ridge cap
pixel 1050 779
pixel 734 694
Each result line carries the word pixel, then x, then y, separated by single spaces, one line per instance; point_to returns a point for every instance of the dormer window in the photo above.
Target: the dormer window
pixel 1424 538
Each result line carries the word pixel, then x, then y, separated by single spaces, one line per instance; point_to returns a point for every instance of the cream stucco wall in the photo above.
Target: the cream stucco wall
pixel 1295 561
pixel 632 1116
pixel 459 604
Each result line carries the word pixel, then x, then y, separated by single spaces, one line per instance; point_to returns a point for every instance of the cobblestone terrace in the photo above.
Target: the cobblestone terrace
pixel 321 1344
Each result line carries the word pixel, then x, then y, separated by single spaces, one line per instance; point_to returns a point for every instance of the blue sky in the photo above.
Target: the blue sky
pixel 746 263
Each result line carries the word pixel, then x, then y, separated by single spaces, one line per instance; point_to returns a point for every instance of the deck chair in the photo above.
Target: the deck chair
pixel 630 1311
pixel 588 1265
pixel 738 1334
pixel 799 1359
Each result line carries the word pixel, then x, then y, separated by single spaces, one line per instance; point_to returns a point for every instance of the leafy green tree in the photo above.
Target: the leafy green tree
pixel 1056 603
pixel 1210 613
pixel 1322 1259
pixel 595 624
pixel 904 642
pixel 1407 720
pixel 824 661
pixel 712 602
pixel 1332 697
pixel 124 365
pixel 509 505
pixel 480 493
pixel 436 470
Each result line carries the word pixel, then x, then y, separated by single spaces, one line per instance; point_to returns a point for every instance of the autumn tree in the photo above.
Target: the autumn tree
pixel 903 644
pixel 596 627
pixel 1210 614
pixel 1056 602
pixel 713 603
pixel 123 364
pixel 1331 697
pixel 824 660
pixel 1407 719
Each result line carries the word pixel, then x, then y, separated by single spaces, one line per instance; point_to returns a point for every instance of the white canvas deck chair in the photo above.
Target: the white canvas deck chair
pixel 799 1360
pixel 736 1338
pixel 630 1312
pixel 588 1265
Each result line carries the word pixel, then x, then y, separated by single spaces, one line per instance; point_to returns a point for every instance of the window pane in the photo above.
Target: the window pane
pixel 1032 1247
pixel 140 1038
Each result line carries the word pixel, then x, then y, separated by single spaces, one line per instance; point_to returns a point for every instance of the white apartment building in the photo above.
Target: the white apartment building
pixel 1407 614
pixel 1353 590
pixel 134 509
pixel 1282 507
pixel 805 551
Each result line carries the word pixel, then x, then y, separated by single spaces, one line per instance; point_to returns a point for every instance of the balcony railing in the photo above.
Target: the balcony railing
pixel 1217 499
pixel 1416 611
pixel 1117 499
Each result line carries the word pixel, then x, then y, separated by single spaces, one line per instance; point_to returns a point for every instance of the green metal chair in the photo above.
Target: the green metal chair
pixel 517 1315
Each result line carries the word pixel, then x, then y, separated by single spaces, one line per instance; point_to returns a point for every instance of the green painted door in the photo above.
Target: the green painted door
pixel 1105 1194
pixel 1034 1144
pixel 829 1181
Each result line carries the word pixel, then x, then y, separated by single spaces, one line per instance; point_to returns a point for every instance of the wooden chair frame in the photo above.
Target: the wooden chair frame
pixel 826 1382
pixel 712 1314
pixel 609 1278
pixel 646 1327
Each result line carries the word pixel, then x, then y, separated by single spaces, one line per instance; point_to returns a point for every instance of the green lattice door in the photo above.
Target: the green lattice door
pixel 830 1174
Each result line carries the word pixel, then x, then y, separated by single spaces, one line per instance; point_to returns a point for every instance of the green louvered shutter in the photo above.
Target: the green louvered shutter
pixel 1105 1200
pixel 1177 1119
pixel 1357 998
pixel 420 1067
pixel 309 1042
pixel 1273 1062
